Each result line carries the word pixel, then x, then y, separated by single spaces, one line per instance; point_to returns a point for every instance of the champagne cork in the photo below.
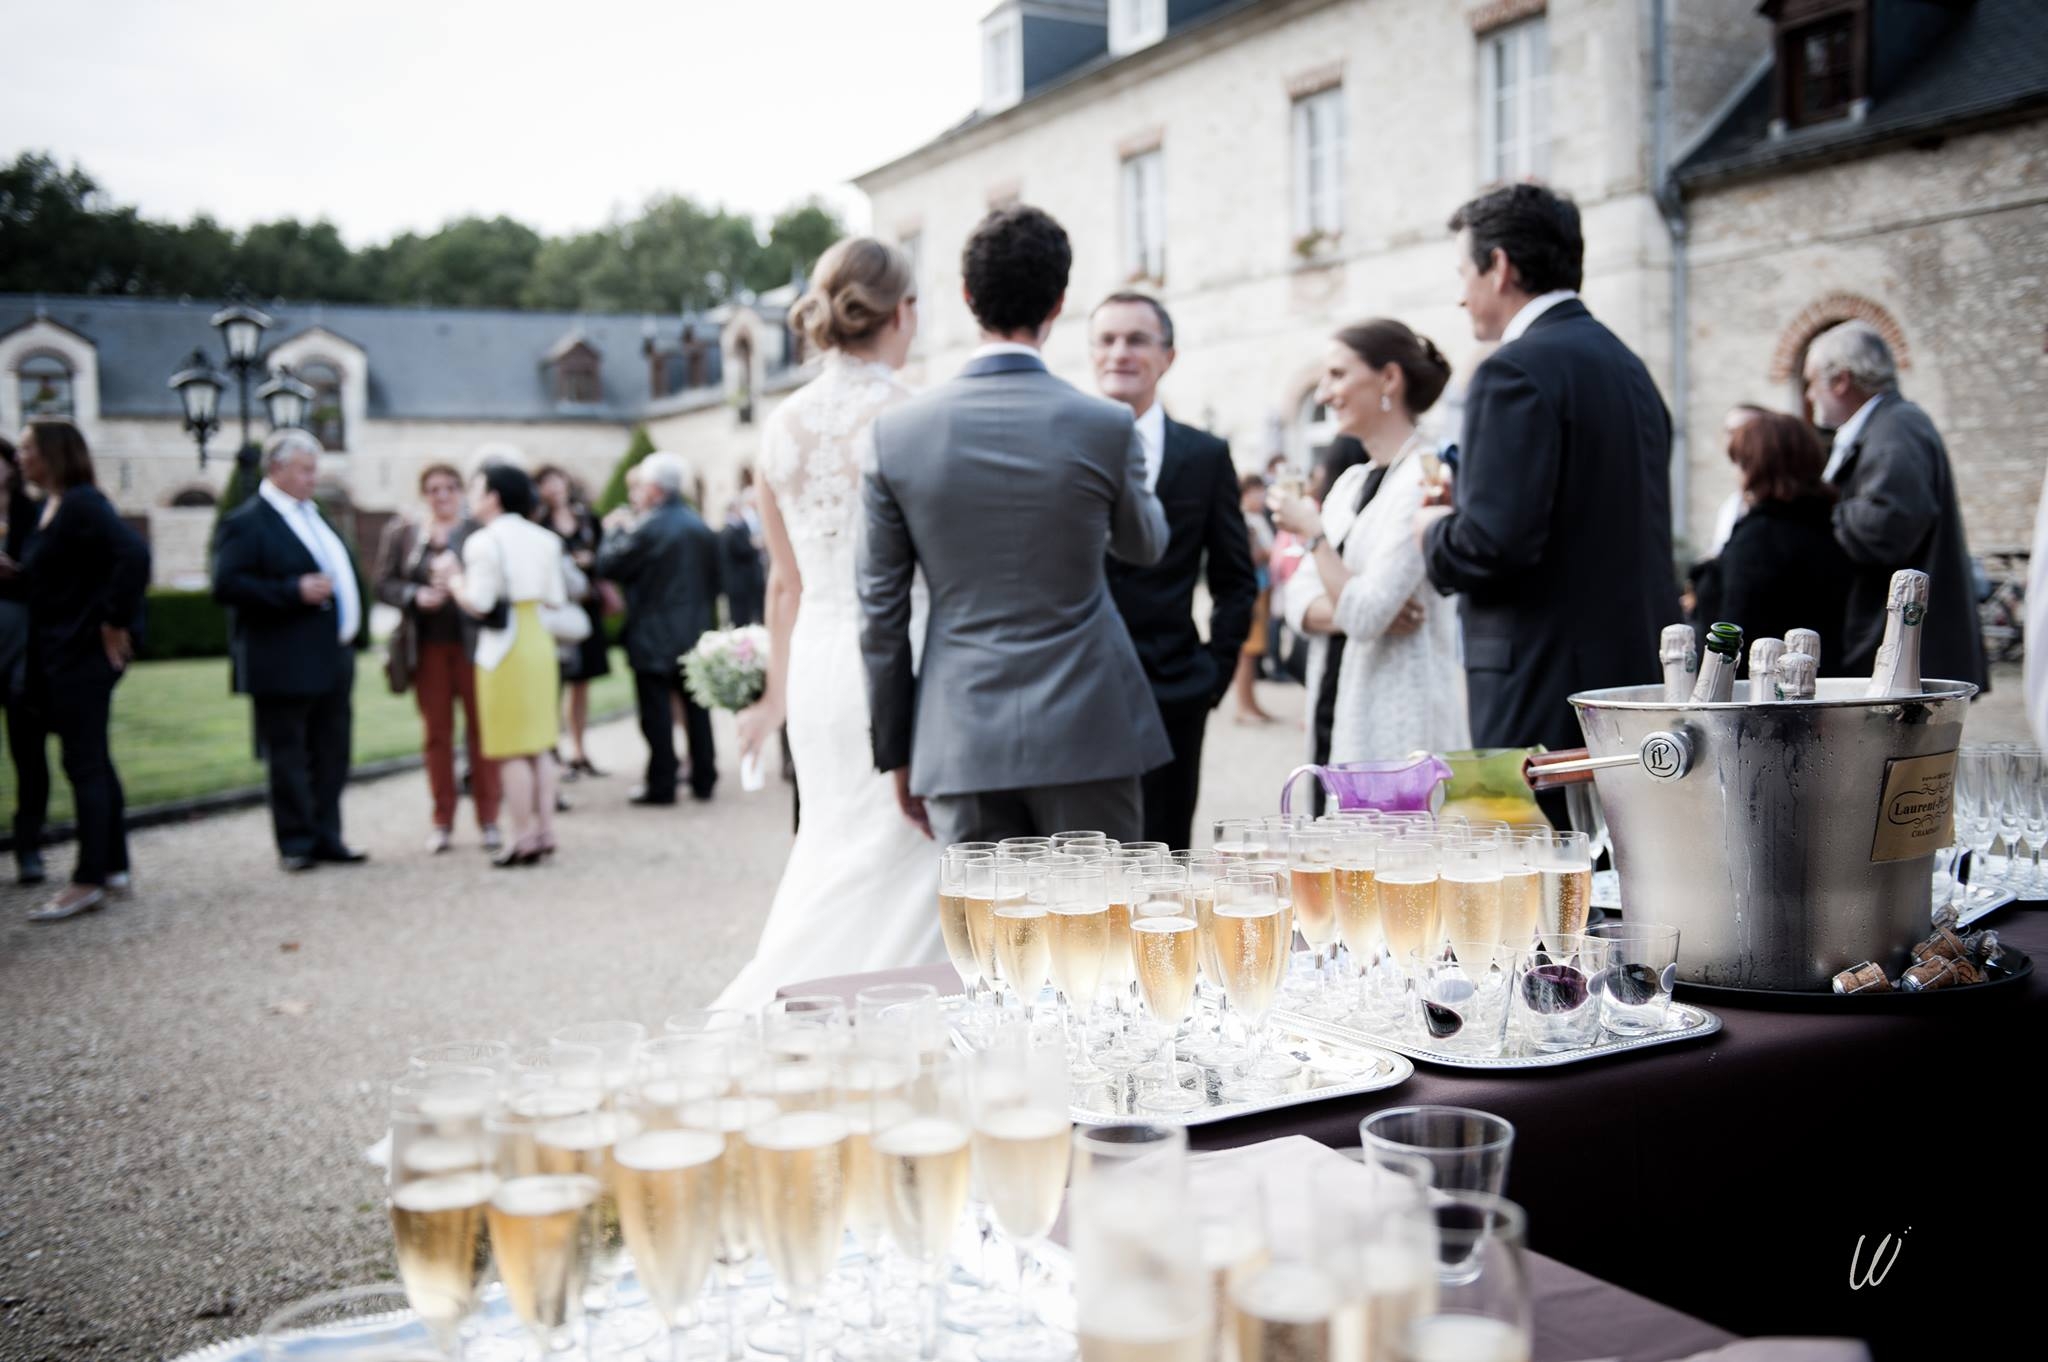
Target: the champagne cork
pixel 1867 977
pixel 1944 944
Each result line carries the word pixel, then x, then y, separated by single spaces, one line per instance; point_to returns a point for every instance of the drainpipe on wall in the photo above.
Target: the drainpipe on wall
pixel 1671 204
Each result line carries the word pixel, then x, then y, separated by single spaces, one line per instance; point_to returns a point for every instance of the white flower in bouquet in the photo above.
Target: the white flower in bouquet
pixel 728 669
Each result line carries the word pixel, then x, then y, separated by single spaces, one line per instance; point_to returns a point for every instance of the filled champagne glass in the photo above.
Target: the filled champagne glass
pixel 1077 906
pixel 1239 839
pixel 1356 859
pixel 1564 884
pixel 921 1140
pixel 1521 896
pixel 1312 886
pixel 1405 884
pixel 543 1222
pixel 1470 892
pixel 729 1058
pixel 966 901
pixel 1023 943
pixel 1252 931
pixel 668 1178
pixel 1204 867
pixel 440 1177
pixel 796 1173
pixel 1018 1104
pixel 1164 942
pixel 815 1027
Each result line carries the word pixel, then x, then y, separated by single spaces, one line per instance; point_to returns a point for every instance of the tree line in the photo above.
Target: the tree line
pixel 60 232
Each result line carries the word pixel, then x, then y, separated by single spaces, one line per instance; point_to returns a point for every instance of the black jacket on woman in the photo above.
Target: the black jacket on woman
pixel 84 569
pixel 1781 569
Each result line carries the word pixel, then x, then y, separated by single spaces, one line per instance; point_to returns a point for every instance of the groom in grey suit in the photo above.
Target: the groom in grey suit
pixel 1030 713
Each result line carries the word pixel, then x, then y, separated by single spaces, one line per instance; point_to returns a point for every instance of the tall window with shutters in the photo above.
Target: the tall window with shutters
pixel 1514 102
pixel 1318 167
pixel 1144 178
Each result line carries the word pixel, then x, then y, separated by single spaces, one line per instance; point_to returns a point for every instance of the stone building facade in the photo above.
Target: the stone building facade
pixel 396 389
pixel 1273 169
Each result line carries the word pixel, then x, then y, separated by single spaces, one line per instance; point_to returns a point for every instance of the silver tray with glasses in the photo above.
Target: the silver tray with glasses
pixel 1683 1023
pixel 1332 1066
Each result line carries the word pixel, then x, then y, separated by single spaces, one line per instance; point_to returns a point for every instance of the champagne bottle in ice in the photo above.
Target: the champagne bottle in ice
pixel 1796 676
pixel 1716 683
pixel 1763 669
pixel 1897 671
pixel 1679 653
pixel 1804 641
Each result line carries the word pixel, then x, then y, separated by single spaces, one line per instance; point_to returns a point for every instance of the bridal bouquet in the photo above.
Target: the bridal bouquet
pixel 728 669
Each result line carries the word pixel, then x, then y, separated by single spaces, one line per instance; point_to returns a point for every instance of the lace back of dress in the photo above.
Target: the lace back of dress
pixel 811 458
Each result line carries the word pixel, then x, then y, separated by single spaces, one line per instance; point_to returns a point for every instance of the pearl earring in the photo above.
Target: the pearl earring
pixel 1386 403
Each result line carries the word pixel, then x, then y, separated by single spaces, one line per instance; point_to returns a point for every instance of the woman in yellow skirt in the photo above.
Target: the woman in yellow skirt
pixel 517 565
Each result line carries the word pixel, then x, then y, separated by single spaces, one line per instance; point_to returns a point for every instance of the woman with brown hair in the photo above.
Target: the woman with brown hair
pixel 27 739
pixel 82 575
pixel 1781 567
pixel 564 510
pixel 1400 682
pixel 433 644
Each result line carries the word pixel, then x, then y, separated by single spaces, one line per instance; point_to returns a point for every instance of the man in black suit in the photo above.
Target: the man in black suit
pixel 1560 538
pixel 299 615
pixel 1897 506
pixel 666 559
pixel 1190 471
pixel 743 573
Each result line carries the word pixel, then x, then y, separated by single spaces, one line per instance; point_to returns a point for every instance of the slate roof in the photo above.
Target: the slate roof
pixel 429 363
pixel 1992 64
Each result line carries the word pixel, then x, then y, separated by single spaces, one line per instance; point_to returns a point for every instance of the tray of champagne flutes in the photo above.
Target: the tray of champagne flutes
pixel 1296 1065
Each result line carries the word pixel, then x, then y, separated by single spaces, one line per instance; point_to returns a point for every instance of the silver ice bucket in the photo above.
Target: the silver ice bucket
pixel 1786 840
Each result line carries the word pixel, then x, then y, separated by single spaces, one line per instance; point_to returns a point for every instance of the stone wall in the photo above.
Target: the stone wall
pixel 1949 244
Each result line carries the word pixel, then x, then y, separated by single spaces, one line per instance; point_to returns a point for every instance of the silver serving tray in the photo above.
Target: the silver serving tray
pixel 1684 1023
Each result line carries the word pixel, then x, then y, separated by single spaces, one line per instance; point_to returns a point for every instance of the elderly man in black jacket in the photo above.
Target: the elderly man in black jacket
pixel 1896 506
pixel 666 559
pixel 1561 535
pixel 1131 345
pixel 300 614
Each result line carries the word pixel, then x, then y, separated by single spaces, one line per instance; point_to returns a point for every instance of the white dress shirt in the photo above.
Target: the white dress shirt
pixel 1533 309
pixel 1152 435
pixel 1846 436
pixel 1006 348
pixel 327 550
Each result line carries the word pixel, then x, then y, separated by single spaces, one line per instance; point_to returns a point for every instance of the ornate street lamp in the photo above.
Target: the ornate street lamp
pixel 285 399
pixel 241 329
pixel 198 388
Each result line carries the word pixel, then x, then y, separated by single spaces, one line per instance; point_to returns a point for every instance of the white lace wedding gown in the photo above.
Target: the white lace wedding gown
pixel 860 889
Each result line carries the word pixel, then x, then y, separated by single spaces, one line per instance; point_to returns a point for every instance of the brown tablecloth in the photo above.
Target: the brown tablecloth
pixel 1732 1178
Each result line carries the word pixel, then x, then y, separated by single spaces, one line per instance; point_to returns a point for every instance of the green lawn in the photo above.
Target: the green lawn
pixel 178 732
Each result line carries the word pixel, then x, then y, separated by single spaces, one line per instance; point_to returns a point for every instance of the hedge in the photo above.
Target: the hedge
pixel 182 624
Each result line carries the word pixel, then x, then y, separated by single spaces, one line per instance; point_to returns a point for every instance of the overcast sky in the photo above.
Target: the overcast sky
pixel 384 115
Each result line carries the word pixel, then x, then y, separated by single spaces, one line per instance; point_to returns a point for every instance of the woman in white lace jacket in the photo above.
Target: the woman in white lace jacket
pixel 1401 684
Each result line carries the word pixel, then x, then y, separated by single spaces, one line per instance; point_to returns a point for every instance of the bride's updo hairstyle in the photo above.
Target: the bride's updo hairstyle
pixel 855 289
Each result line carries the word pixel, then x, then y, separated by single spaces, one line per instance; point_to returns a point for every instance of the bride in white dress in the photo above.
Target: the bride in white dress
pixel 860 889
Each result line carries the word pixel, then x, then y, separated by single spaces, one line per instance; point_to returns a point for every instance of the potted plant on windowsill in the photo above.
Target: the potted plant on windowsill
pixel 1315 245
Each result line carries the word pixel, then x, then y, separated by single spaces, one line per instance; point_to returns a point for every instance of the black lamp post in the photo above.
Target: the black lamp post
pixel 198 388
pixel 285 399
pixel 241 329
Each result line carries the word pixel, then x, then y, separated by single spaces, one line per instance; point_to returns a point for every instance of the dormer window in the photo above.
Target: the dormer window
pixel 45 389
pixel 1823 59
pixel 1002 60
pixel 1135 23
pixel 574 370
pixel 323 411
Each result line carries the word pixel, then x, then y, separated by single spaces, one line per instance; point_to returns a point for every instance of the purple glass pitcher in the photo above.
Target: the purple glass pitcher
pixel 1384 785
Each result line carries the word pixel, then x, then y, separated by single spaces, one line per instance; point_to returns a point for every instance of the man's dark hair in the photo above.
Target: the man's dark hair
pixel 1538 228
pixel 1015 268
pixel 1158 310
pixel 514 488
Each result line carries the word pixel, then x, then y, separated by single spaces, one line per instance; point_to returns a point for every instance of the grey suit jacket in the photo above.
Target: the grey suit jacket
pixel 1006 486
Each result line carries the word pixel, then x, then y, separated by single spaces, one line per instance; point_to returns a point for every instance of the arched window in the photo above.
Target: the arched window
pixel 45 389
pixel 191 497
pixel 1312 433
pixel 1788 358
pixel 323 413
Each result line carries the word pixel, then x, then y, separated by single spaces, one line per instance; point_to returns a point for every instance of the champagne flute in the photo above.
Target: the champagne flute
pixel 440 1182
pixel 1023 950
pixel 1164 941
pixel 1251 947
pixel 1070 841
pixel 1023 848
pixel 1311 865
pixel 1240 839
pixel 966 894
pixel 669 1180
pixel 891 1032
pixel 1355 856
pixel 1469 891
pixel 728 1058
pixel 1018 1102
pixel 1204 867
pixel 806 1027
pixel 1564 883
pixel 1405 885
pixel 1521 896
pixel 921 1150
pixel 1078 932
pixel 796 1155
pixel 541 1220
pixel 583 1142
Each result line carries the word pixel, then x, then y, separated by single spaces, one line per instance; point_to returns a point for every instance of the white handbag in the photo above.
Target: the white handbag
pixel 568 622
